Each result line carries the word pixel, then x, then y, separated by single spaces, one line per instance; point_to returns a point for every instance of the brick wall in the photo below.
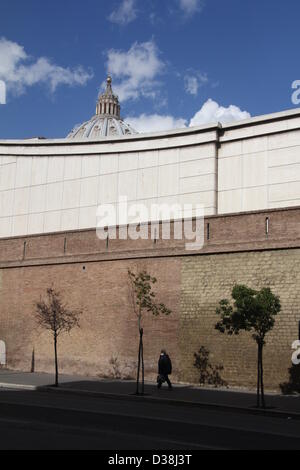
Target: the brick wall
pixel 93 277
pixel 108 325
pixel 208 279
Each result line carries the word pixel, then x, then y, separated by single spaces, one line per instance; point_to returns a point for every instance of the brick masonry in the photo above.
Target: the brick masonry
pixel 206 280
pixel 93 277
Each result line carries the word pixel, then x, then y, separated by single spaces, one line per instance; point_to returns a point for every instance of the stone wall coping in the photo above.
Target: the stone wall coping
pixel 18 252
pixel 150 141
pixel 207 218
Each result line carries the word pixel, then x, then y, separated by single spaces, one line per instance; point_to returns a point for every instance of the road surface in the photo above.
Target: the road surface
pixel 51 420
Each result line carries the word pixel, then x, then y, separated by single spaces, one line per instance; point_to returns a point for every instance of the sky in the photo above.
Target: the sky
pixel 174 63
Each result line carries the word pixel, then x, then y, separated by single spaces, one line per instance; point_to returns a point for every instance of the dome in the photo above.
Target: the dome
pixel 107 121
pixel 99 127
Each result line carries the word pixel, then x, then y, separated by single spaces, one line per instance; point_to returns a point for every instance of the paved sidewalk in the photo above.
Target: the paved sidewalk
pixel 191 395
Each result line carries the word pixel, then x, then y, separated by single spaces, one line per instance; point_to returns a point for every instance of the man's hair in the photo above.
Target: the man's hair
pixel 163 351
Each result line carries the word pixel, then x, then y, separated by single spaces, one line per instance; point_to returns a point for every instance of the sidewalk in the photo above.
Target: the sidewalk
pixel 278 405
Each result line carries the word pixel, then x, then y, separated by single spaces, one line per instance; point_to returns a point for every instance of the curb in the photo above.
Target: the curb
pixel 169 401
pixel 18 386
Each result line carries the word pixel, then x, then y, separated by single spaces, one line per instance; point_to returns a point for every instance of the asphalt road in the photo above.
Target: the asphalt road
pixel 43 420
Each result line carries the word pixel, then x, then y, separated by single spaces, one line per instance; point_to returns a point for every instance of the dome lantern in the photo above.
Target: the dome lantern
pixel 108 103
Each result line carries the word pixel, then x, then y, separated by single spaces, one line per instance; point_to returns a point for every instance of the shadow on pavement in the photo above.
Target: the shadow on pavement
pixel 185 393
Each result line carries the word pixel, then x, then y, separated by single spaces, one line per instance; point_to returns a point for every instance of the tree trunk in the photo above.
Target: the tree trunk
pixel 258 377
pixel 140 353
pixel 142 358
pixel 32 362
pixel 138 369
pixel 262 378
pixel 56 360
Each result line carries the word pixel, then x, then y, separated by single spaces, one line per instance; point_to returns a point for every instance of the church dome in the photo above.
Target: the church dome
pixel 107 121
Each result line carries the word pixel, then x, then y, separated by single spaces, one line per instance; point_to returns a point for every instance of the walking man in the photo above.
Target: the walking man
pixel 164 369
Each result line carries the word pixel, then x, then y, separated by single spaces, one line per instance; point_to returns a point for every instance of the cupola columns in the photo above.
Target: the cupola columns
pixel 108 103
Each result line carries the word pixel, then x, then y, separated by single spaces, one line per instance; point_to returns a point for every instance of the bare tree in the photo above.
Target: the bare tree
pixel 143 299
pixel 54 316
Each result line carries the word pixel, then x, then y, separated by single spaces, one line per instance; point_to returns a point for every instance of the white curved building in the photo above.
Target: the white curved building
pixel 56 185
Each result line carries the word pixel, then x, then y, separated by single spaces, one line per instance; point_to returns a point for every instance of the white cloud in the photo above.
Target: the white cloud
pixel 192 83
pixel 136 69
pixel 190 7
pixel 155 122
pixel 19 71
pixel 211 111
pixel 125 13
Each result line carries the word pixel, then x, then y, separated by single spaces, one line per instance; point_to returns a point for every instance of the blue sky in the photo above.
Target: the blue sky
pixel 173 62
